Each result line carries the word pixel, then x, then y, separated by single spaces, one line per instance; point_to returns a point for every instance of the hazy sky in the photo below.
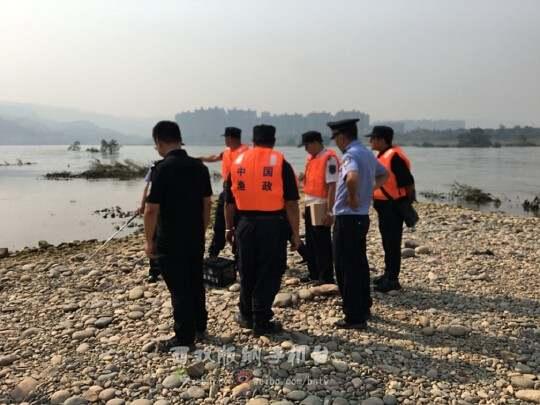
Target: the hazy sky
pixel 473 59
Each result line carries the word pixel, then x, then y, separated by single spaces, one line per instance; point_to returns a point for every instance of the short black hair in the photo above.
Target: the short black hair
pixel 167 131
pixel 264 135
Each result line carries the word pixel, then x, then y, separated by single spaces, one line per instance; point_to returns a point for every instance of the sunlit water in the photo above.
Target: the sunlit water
pixel 32 209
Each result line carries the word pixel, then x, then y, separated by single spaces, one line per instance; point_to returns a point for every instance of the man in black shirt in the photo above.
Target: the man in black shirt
pixel 399 185
pixel 262 191
pixel 178 207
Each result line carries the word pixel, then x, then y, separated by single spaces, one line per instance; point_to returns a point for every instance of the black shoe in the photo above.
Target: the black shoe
pixel 152 278
pixel 379 279
pixel 165 346
pixel 305 279
pixel 342 324
pixel 201 336
pixel 267 328
pixel 387 285
pixel 243 322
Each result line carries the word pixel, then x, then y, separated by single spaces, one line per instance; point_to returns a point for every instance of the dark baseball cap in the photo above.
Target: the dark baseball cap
pixel 233 132
pixel 382 131
pixel 309 137
pixel 264 133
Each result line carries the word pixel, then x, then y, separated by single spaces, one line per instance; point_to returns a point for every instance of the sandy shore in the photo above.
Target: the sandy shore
pixel 464 330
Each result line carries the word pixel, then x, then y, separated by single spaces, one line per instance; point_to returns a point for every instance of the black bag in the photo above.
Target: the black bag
pixel 219 272
pixel 405 208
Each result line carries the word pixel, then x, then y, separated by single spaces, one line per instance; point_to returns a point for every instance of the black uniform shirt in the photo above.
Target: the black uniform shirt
pixel 179 185
pixel 290 189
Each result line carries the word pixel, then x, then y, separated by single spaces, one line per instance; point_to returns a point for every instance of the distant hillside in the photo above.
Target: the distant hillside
pixel 32 131
pixel 126 125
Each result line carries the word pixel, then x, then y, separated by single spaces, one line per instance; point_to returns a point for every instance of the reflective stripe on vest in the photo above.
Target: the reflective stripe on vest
pixel 256 180
pixel 390 186
pixel 228 157
pixel 315 174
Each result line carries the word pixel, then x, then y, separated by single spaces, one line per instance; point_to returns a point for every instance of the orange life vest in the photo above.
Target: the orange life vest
pixel 390 186
pixel 315 173
pixel 256 180
pixel 228 157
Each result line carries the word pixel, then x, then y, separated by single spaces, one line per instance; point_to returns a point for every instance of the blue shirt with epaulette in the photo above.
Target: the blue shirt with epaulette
pixel 359 159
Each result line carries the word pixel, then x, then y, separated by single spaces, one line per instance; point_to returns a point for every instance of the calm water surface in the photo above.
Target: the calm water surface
pixel 32 209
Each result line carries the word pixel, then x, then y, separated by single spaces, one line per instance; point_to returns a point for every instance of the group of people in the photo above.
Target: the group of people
pixel 258 212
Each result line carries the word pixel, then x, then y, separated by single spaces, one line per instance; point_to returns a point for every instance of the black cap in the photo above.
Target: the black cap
pixel 264 133
pixel 309 137
pixel 233 132
pixel 382 131
pixel 342 125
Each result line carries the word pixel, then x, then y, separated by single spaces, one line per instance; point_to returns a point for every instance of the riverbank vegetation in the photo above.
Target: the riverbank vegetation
pixel 126 170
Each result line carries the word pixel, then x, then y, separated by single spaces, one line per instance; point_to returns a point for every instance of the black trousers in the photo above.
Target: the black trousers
pixel 391 228
pixel 183 275
pixel 262 257
pixel 218 240
pixel 352 268
pixel 319 250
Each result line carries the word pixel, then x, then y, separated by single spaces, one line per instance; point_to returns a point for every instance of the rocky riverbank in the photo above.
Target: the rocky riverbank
pixel 464 330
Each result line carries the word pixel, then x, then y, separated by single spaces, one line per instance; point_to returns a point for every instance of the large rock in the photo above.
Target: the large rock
pixel 529 395
pixel 142 402
pixel 24 389
pixel 258 401
pixel 83 334
pixel 4 252
pixel 283 300
pixel 422 250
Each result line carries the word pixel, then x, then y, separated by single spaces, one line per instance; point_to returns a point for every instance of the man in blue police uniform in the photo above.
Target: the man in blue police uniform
pixel 359 173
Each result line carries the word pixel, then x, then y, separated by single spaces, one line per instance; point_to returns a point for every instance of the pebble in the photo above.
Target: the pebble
pixel 408 252
pixel 30 332
pixel 296 395
pixel 529 395
pixel 522 382
pixel 118 401
pixel 83 348
pixel 312 400
pixel 8 359
pixel 373 401
pixel 458 330
pixel 258 401
pixel 196 392
pixel 59 397
pixel 340 365
pixel 141 402
pixel 283 300
pixel 136 293
pixel 390 400
pixel 107 394
pixel 103 322
pixel 196 370
pixel 24 388
pixel 172 381
pixel 422 250
pixel 75 400
pixel 135 315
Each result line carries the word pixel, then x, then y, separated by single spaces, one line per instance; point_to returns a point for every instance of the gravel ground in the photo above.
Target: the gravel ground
pixel 464 330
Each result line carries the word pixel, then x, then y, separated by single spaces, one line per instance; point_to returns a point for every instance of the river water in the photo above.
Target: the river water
pixel 33 209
